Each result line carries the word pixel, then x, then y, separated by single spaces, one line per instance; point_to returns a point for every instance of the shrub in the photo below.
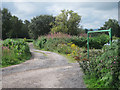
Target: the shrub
pixel 104 68
pixel 79 41
pixel 61 45
pixel 14 52
pixel 48 41
pixel 40 42
pixel 64 48
pixel 9 57
pixel 52 44
pixel 99 41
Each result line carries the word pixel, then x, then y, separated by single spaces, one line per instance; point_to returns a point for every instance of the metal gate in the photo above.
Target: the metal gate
pixel 110 35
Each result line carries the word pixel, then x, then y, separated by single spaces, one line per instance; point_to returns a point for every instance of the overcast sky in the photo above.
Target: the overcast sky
pixel 94 14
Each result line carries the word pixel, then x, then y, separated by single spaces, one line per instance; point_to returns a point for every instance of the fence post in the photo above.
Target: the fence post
pixel 110 34
pixel 88 44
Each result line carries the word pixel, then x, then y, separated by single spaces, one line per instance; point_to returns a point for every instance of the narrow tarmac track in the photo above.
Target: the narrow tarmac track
pixel 44 70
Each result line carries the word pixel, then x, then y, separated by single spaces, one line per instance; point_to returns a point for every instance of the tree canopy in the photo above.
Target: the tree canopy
pixel 40 25
pixel 66 22
pixel 6 23
pixel 113 24
pixel 0 24
pixel 12 26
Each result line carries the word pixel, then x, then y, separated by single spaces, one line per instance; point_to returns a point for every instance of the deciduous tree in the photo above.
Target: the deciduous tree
pixel 113 24
pixel 40 25
pixel 66 22
pixel 6 23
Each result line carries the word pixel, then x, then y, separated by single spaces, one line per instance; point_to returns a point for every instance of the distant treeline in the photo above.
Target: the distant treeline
pixel 67 22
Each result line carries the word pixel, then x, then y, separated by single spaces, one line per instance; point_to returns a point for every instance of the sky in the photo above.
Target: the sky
pixel 93 14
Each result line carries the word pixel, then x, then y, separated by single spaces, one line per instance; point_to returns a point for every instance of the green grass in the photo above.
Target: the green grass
pixel 70 59
pixel 11 58
pixel 93 82
pixel 14 52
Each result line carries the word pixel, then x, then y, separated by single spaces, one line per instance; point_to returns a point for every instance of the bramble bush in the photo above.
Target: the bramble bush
pixel 103 71
pixel 14 52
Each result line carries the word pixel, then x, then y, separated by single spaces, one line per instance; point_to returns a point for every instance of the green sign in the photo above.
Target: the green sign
pixel 110 35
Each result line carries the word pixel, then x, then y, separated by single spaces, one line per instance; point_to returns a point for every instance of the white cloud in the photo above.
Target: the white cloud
pixel 23 10
pixel 60 1
pixel 56 8
pixel 26 8
pixel 93 14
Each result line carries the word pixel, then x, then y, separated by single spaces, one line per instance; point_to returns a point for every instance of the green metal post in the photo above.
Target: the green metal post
pixel 110 34
pixel 88 44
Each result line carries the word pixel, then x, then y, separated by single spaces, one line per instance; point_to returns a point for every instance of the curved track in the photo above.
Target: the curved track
pixel 44 70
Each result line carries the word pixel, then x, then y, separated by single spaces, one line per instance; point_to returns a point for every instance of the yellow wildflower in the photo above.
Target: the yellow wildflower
pixel 68 54
pixel 73 51
pixel 73 45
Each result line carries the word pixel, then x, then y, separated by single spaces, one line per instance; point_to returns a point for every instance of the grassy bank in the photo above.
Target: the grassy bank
pixel 14 52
